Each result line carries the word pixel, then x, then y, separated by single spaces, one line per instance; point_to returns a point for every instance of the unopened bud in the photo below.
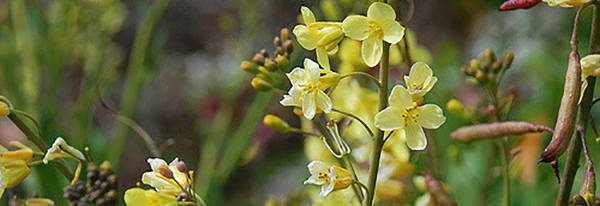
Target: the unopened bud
pixel 344 178
pixel 288 45
pixel 507 60
pixel 489 57
pixel 260 84
pixel 480 76
pixel 165 172
pixel 105 166
pixel 390 190
pixel 282 61
pixel 455 106
pixel 285 34
pixel 264 53
pixel 270 65
pixel 474 64
pixel 276 123
pixel 4 109
pixel 279 51
pixel 259 59
pixel 277 41
pixel 249 67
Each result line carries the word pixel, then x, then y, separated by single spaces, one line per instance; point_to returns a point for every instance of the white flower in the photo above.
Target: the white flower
pixel 329 177
pixel 308 88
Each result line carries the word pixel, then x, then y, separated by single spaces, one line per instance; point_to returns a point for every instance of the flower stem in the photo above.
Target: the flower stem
pixel 367 75
pixel 364 124
pixel 574 148
pixel 505 173
pixel 384 73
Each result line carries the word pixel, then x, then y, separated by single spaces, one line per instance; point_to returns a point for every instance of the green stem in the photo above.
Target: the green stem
pixel 505 173
pixel 378 143
pixel 364 124
pixel 363 74
pixel 574 148
pixel 136 74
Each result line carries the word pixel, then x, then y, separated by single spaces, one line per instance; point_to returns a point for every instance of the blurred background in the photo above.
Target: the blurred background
pixel 173 68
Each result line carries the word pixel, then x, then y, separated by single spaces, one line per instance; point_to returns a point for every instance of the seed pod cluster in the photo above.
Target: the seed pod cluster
pixel 264 66
pixel 487 69
pixel 100 188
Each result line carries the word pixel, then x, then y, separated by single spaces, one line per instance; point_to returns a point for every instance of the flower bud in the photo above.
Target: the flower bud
pixel 507 60
pixel 285 34
pixel 249 67
pixel 288 45
pixel 474 64
pixel 489 57
pixel 282 61
pixel 260 84
pixel 298 111
pixel 277 41
pixel 270 65
pixel 4 109
pixel 264 53
pixel 105 166
pixel 259 59
pixel 455 106
pixel 390 190
pixel 276 123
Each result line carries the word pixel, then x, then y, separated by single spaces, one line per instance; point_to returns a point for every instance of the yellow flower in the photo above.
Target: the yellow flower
pixel 590 66
pixel 566 3
pixel 308 89
pixel 406 116
pixel 420 80
pixel 379 25
pixel 60 149
pixel 323 37
pixel 166 179
pixel 141 197
pixel 14 165
pixel 329 177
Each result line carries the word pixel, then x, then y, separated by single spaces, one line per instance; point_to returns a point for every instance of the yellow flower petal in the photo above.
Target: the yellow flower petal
pixel 160 183
pixel 392 31
pixel 313 72
pixel 415 137
pixel 309 107
pixel 306 37
pixel 389 119
pixel 590 65
pixel 399 97
pixel 371 51
pixel 307 15
pixel 355 27
pixel 323 101
pixel 431 116
pixel 15 172
pixel 381 11
pixel 323 58
pixel 141 197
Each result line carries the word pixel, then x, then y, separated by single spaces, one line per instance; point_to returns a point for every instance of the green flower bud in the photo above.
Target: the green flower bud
pixel 270 65
pixel 285 34
pixel 259 59
pixel 249 67
pixel 276 123
pixel 260 84
pixel 282 61
pixel 507 60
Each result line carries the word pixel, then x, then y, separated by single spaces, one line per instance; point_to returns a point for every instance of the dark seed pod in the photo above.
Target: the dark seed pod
pixel 518 4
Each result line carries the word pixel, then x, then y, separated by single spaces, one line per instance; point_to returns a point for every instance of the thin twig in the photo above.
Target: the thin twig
pixel 364 124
